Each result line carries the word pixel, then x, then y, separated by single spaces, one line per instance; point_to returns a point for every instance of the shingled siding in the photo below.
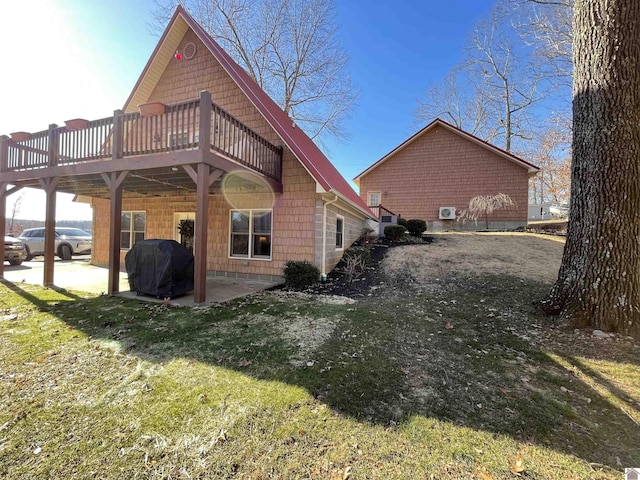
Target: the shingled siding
pixel 293 210
pixel 443 169
pixel 184 80
pixel 292 223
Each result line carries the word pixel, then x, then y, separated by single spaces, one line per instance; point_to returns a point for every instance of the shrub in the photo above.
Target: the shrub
pixel 367 238
pixel 359 252
pixel 394 232
pixel 300 274
pixel 416 227
pixel 403 222
pixel 355 261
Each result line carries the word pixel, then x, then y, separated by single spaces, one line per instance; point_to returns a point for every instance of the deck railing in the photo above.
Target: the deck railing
pixel 131 134
pixel 379 210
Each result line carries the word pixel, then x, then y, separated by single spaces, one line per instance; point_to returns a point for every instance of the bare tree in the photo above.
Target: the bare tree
pixel 491 94
pixel 515 81
pixel 547 26
pixel 599 280
pixel 461 102
pixel 289 47
pixel 551 151
pixel 15 211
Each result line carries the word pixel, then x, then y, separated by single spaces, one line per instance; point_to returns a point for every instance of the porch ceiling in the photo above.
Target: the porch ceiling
pixel 153 175
pixel 152 182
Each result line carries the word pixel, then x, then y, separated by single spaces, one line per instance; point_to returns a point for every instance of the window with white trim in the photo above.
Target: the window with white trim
pixel 373 199
pixel 133 228
pixel 339 232
pixel 250 234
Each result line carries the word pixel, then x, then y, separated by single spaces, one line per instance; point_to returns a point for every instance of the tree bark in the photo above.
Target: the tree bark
pixel 599 280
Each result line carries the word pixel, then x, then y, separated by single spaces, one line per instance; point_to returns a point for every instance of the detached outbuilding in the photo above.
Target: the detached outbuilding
pixel 434 174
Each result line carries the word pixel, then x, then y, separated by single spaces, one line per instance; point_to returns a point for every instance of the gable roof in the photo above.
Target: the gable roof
pixel 531 168
pixel 305 150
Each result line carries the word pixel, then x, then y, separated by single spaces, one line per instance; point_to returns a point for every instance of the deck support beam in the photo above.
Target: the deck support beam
pixel 200 234
pixel 49 186
pixel 203 180
pixel 4 158
pixel 3 215
pixel 114 182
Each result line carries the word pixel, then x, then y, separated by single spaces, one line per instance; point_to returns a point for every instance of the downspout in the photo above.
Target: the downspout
pixel 324 235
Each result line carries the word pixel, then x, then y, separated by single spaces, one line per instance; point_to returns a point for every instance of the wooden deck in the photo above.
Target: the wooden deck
pixel 186 147
pixel 79 153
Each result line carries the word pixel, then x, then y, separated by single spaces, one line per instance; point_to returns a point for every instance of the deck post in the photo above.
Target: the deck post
pixel 203 182
pixel 4 159
pixel 53 152
pixel 200 234
pixel 3 212
pixel 114 182
pixel 4 153
pixel 205 121
pixel 115 225
pixel 118 134
pixel 49 186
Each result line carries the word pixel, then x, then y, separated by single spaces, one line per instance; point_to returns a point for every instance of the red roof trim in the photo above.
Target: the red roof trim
pixel 307 152
pixel 500 151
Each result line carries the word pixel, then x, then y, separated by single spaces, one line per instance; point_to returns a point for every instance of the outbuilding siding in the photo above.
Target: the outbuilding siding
pixel 443 169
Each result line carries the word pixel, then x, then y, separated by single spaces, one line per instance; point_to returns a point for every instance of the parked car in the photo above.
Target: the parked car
pixel 69 241
pixel 14 251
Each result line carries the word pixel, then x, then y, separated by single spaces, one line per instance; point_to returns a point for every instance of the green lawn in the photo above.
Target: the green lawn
pixel 457 381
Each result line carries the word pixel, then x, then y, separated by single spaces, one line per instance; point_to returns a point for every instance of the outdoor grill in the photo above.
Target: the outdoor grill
pixel 162 268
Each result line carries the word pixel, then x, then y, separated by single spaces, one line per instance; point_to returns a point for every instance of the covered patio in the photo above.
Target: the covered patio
pixel 155 152
pixel 94 280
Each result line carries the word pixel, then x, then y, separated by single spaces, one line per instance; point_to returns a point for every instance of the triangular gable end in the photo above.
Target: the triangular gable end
pixel 157 63
pixel 303 148
pixel 532 169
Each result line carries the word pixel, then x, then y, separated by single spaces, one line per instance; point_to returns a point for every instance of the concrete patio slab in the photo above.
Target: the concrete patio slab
pixel 80 275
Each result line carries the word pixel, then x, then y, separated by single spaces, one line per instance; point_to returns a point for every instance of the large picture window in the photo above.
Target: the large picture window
pixel 250 234
pixel 133 228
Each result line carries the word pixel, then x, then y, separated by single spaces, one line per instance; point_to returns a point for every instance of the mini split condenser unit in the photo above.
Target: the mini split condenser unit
pixel 447 213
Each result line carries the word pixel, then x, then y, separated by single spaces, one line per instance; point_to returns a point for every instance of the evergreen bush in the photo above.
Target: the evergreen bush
pixel 416 227
pixel 394 232
pixel 300 274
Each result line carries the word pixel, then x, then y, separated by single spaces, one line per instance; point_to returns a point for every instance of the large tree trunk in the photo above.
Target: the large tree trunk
pixel 599 280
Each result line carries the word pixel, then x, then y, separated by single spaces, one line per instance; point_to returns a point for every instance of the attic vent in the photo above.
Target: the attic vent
pixel 189 51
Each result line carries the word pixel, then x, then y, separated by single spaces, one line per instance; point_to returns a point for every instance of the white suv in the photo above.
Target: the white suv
pixel 69 241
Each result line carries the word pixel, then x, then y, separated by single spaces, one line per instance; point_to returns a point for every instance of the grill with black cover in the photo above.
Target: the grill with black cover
pixel 162 268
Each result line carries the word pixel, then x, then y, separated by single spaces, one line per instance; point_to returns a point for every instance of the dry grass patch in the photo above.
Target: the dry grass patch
pixel 523 255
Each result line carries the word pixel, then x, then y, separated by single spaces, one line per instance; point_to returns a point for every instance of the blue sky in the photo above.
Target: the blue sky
pixel 77 58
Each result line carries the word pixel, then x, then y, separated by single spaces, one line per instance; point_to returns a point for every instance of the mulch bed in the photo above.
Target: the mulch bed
pixel 338 284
